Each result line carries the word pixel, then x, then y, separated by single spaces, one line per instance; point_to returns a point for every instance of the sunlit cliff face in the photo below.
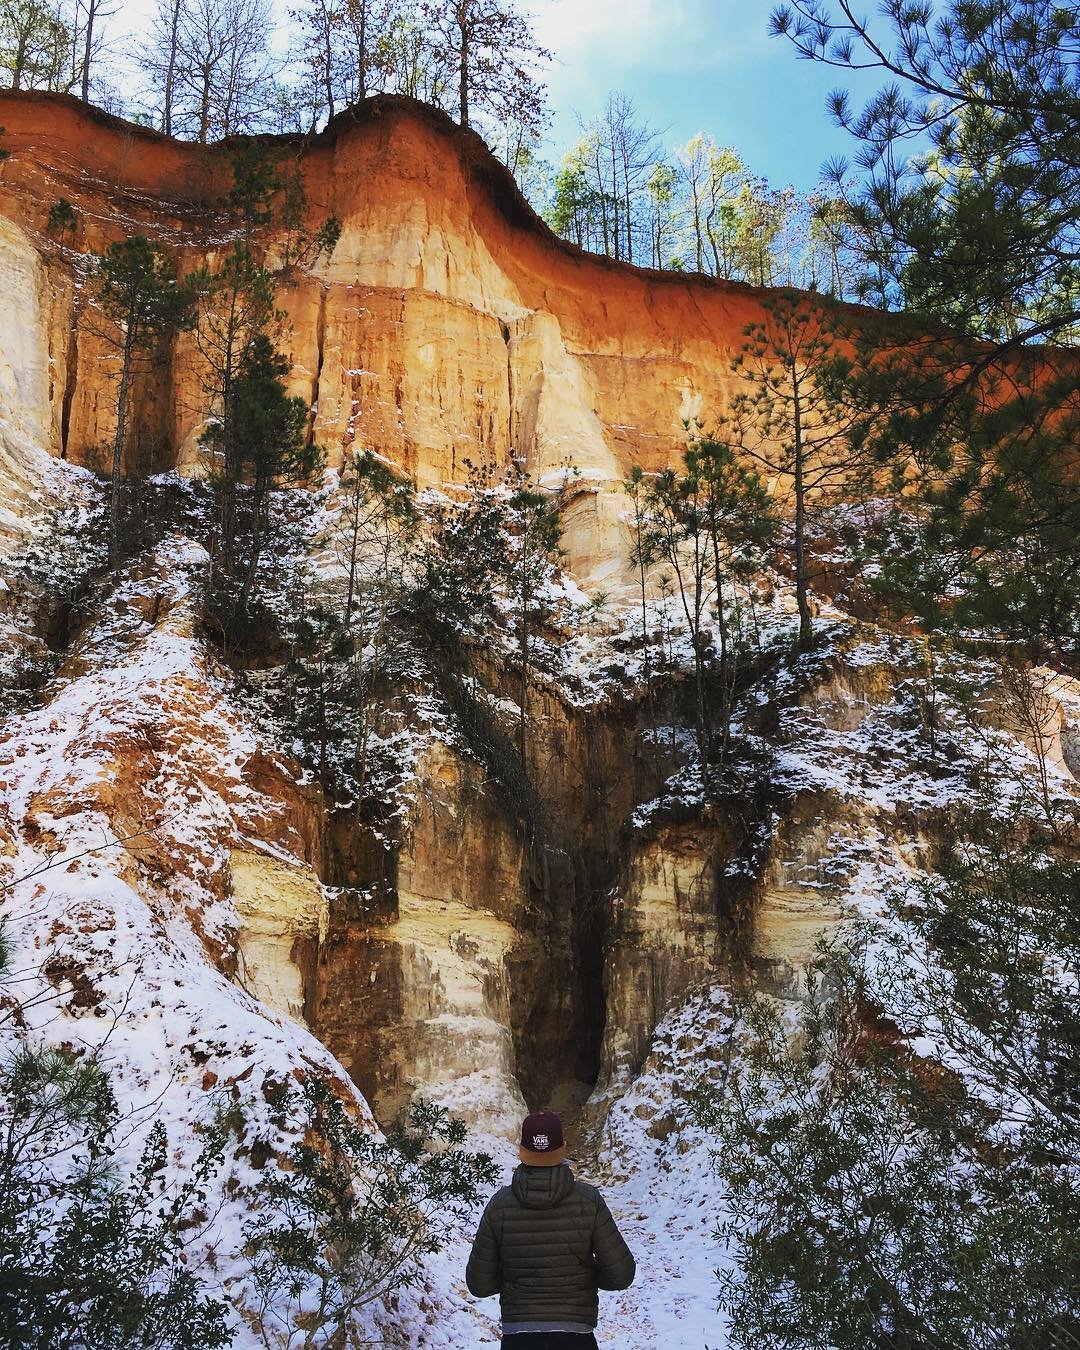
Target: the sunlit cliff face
pixel 447 325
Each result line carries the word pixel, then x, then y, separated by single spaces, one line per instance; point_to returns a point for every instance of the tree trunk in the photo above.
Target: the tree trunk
pixel 258 495
pixel 626 206
pixel 91 14
pixel 523 710
pixel 204 109
pixel 323 775
pixel 692 613
pixel 806 623
pixel 118 449
pixel 712 241
pixel 646 654
pixel 18 62
pixel 603 202
pixel 170 70
pixel 616 199
pixel 722 625
pixel 463 70
pixel 229 474
pixel 328 67
pixel 701 716
pixel 353 546
pixel 361 55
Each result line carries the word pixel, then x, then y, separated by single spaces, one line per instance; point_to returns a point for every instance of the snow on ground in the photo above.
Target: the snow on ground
pixel 655 1167
pixel 120 800
pixel 137 736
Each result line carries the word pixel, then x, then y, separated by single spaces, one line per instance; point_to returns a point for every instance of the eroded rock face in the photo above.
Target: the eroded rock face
pixel 26 408
pixel 667 936
pixel 282 911
pixel 448 324
pixel 416 988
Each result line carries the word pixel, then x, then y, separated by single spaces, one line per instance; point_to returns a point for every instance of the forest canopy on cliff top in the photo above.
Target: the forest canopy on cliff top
pixel 623 187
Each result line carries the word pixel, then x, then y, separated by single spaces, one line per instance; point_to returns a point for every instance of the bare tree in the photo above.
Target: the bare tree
pixel 618 154
pixel 633 147
pixel 89 40
pixel 162 58
pixel 347 49
pixel 317 55
pixel 365 26
pixel 34 43
pixel 493 52
pixel 210 67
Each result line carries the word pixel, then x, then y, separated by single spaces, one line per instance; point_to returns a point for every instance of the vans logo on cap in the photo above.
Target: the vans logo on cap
pixel 540 1142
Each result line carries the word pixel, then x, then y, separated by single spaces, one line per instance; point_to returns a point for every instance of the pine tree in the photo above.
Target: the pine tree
pixel 347 1222
pixel 269 448
pixel 981 232
pixel 465 556
pixel 741 528
pixel 789 419
pixel 345 634
pixel 138 290
pixel 972 397
pixel 238 311
pixel 711 525
pixel 87 1255
pixel 879 1197
pixel 635 488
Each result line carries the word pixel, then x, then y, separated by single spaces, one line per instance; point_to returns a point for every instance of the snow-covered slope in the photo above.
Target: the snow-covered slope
pixel 124 800
pixel 170 897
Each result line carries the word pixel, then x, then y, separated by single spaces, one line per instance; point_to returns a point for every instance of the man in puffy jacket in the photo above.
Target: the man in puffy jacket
pixel 546 1244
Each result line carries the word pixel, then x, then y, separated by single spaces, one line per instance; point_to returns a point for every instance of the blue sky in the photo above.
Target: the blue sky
pixel 695 65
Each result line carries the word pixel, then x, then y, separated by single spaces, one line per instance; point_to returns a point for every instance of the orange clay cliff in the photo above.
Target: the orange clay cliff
pixel 448 324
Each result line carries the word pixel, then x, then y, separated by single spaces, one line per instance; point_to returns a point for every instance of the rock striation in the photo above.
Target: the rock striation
pixel 449 324
pixel 473 956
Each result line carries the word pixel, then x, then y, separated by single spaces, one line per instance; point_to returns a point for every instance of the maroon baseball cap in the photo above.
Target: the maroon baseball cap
pixel 542 1143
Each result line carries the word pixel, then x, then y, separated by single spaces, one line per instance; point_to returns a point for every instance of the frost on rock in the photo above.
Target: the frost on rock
pixel 125 796
pixel 170 842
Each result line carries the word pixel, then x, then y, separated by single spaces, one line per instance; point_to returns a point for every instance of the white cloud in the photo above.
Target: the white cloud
pixel 601 45
pixel 600 38
pixel 624 28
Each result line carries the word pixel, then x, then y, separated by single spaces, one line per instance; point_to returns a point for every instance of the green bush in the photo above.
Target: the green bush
pixel 348 1220
pixel 87 1259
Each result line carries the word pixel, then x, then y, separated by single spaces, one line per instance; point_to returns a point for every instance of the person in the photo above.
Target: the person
pixel 546 1244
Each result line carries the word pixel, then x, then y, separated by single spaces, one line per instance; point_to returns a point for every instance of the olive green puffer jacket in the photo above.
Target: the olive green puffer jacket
pixel 547 1243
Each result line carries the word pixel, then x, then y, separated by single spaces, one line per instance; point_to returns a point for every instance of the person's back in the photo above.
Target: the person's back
pixel 546 1244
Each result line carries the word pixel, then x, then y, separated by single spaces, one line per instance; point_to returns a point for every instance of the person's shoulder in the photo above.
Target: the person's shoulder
pixel 584 1190
pixel 503 1196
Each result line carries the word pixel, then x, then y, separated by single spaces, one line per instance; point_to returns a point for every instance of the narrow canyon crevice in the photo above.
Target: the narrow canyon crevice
pixel 480 941
pixel 71 373
pixel 320 356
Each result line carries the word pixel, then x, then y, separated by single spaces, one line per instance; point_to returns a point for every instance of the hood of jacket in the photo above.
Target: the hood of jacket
pixel 542 1187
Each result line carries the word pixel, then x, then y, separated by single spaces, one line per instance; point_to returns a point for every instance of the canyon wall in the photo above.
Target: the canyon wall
pixel 477 952
pixel 448 324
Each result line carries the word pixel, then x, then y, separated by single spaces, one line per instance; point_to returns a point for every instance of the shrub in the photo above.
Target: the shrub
pixel 345 1224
